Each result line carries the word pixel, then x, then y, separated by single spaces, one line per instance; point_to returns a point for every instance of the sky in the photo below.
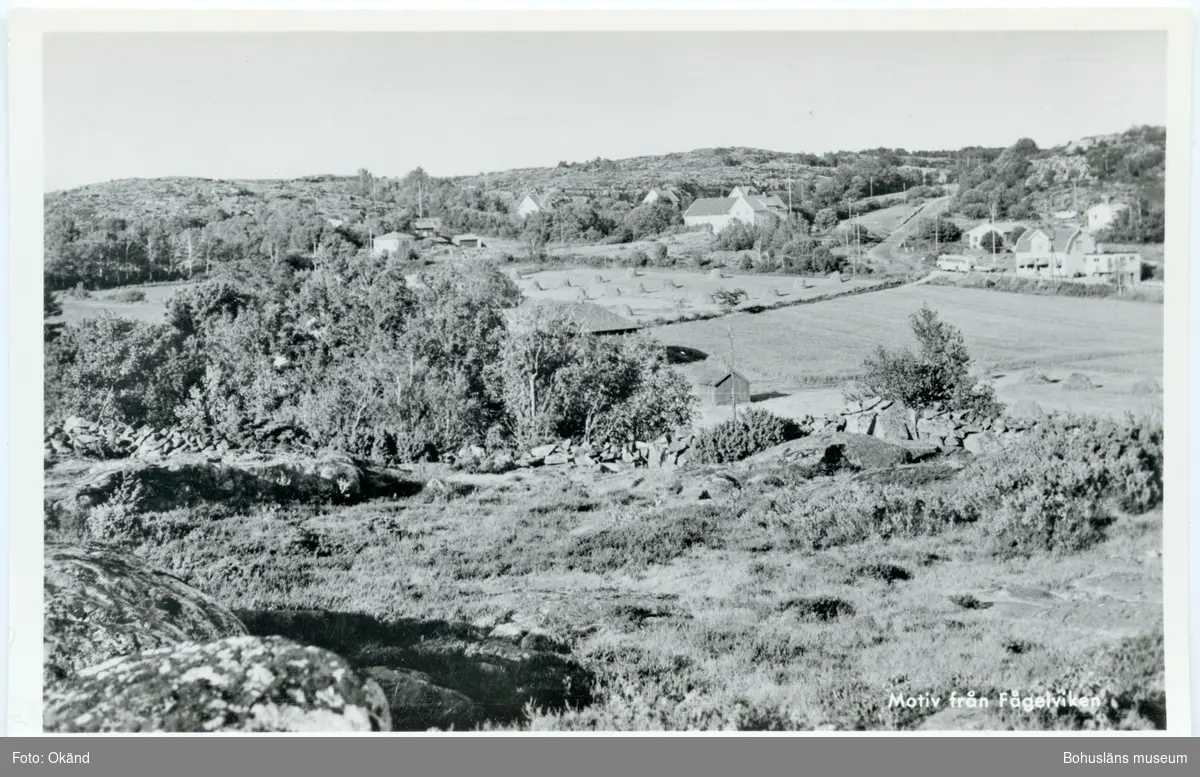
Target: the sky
pixel 278 105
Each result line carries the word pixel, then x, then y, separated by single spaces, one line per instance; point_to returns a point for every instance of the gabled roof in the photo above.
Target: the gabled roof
pixel 395 236
pixel 1115 206
pixel 1060 237
pixel 765 202
pixel 427 223
pixel 742 191
pixel 592 318
pixel 711 206
pixel 663 194
pixel 1003 227
pixel 716 375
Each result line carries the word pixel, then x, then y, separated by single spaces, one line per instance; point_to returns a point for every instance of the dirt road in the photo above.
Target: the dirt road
pixel 889 255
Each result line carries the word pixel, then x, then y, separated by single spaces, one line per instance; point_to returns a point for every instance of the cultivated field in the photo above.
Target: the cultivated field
pixel 793 347
pixel 651 294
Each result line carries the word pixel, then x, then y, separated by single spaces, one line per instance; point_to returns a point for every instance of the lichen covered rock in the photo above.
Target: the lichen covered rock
pixel 100 604
pixel 247 684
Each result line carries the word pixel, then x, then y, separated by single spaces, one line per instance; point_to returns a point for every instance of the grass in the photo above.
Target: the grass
pixel 796 346
pixel 706 614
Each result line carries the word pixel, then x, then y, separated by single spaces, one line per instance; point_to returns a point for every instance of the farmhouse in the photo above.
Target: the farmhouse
pixel 721 212
pixel 427 227
pixel 1005 231
pixel 1072 252
pixel 469 240
pixel 591 318
pixel 722 386
pixel 660 195
pixel 531 204
pixel 1104 214
pixel 392 243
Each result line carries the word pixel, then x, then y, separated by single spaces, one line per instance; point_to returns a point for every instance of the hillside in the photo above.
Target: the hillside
pixel 152 230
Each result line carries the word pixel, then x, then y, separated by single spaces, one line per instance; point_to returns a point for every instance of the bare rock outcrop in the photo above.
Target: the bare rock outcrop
pixel 101 604
pixel 245 684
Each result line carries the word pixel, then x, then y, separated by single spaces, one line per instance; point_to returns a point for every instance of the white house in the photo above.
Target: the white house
pixel 1104 214
pixel 391 243
pixel 743 191
pixel 531 204
pixel 720 212
pixel 1060 252
pixel 1005 230
pixel 660 195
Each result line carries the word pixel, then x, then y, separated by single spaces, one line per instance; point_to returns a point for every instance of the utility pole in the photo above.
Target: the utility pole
pixel 733 385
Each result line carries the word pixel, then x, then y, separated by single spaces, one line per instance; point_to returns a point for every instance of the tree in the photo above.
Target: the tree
pixel 50 309
pixel 825 219
pixel 939 373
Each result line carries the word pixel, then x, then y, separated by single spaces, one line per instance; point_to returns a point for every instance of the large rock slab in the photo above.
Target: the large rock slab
pixel 417 703
pixel 100 604
pixel 193 478
pixel 250 684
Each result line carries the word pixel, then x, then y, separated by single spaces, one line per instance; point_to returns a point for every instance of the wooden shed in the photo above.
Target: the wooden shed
pixel 720 386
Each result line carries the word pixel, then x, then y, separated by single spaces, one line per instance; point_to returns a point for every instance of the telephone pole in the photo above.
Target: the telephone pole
pixel 732 384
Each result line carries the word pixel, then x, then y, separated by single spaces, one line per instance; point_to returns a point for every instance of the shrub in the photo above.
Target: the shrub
pixel 751 432
pixel 1062 513
pixel 853 512
pixel 128 295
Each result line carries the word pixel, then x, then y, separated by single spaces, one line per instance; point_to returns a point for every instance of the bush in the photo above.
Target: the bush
pixel 127 295
pixel 751 432
pixel 851 512
pixel 1063 513
pixel 1056 487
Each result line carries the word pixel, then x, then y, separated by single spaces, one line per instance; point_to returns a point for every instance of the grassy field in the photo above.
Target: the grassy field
pixel 150 310
pixel 794 348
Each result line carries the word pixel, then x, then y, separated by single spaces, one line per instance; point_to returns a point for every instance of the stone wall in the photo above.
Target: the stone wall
pixel 947 429
pixel 78 438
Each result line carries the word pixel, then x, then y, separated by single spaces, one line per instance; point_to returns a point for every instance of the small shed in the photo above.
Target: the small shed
pixel 722 386
pixel 468 240
pixel 427 227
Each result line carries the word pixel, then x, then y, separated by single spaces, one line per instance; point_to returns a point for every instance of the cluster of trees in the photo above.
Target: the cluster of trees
pixel 349 355
pixel 781 246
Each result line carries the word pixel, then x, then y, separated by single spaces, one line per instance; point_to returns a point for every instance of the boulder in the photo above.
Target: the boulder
pixel 542 451
pixel 417 703
pixel 860 423
pixel 892 424
pixel 100 604
pixel 864 451
pixel 981 443
pixel 247 684
pixel 557 458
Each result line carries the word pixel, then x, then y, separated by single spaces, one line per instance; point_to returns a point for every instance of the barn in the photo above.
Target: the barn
pixel 591 319
pixel 721 386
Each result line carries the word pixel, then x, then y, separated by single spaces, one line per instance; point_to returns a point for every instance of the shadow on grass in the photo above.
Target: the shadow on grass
pixel 679 354
pixel 438 674
pixel 767 395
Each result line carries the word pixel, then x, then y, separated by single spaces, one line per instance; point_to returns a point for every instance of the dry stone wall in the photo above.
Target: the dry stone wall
pixel 938 425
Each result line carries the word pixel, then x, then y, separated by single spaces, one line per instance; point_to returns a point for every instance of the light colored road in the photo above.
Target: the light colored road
pixel 889 254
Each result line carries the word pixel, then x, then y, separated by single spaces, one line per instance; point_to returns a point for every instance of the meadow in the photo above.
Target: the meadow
pixel 812 345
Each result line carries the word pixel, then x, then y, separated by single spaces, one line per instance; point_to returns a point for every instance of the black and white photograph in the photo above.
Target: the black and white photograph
pixel 662 380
